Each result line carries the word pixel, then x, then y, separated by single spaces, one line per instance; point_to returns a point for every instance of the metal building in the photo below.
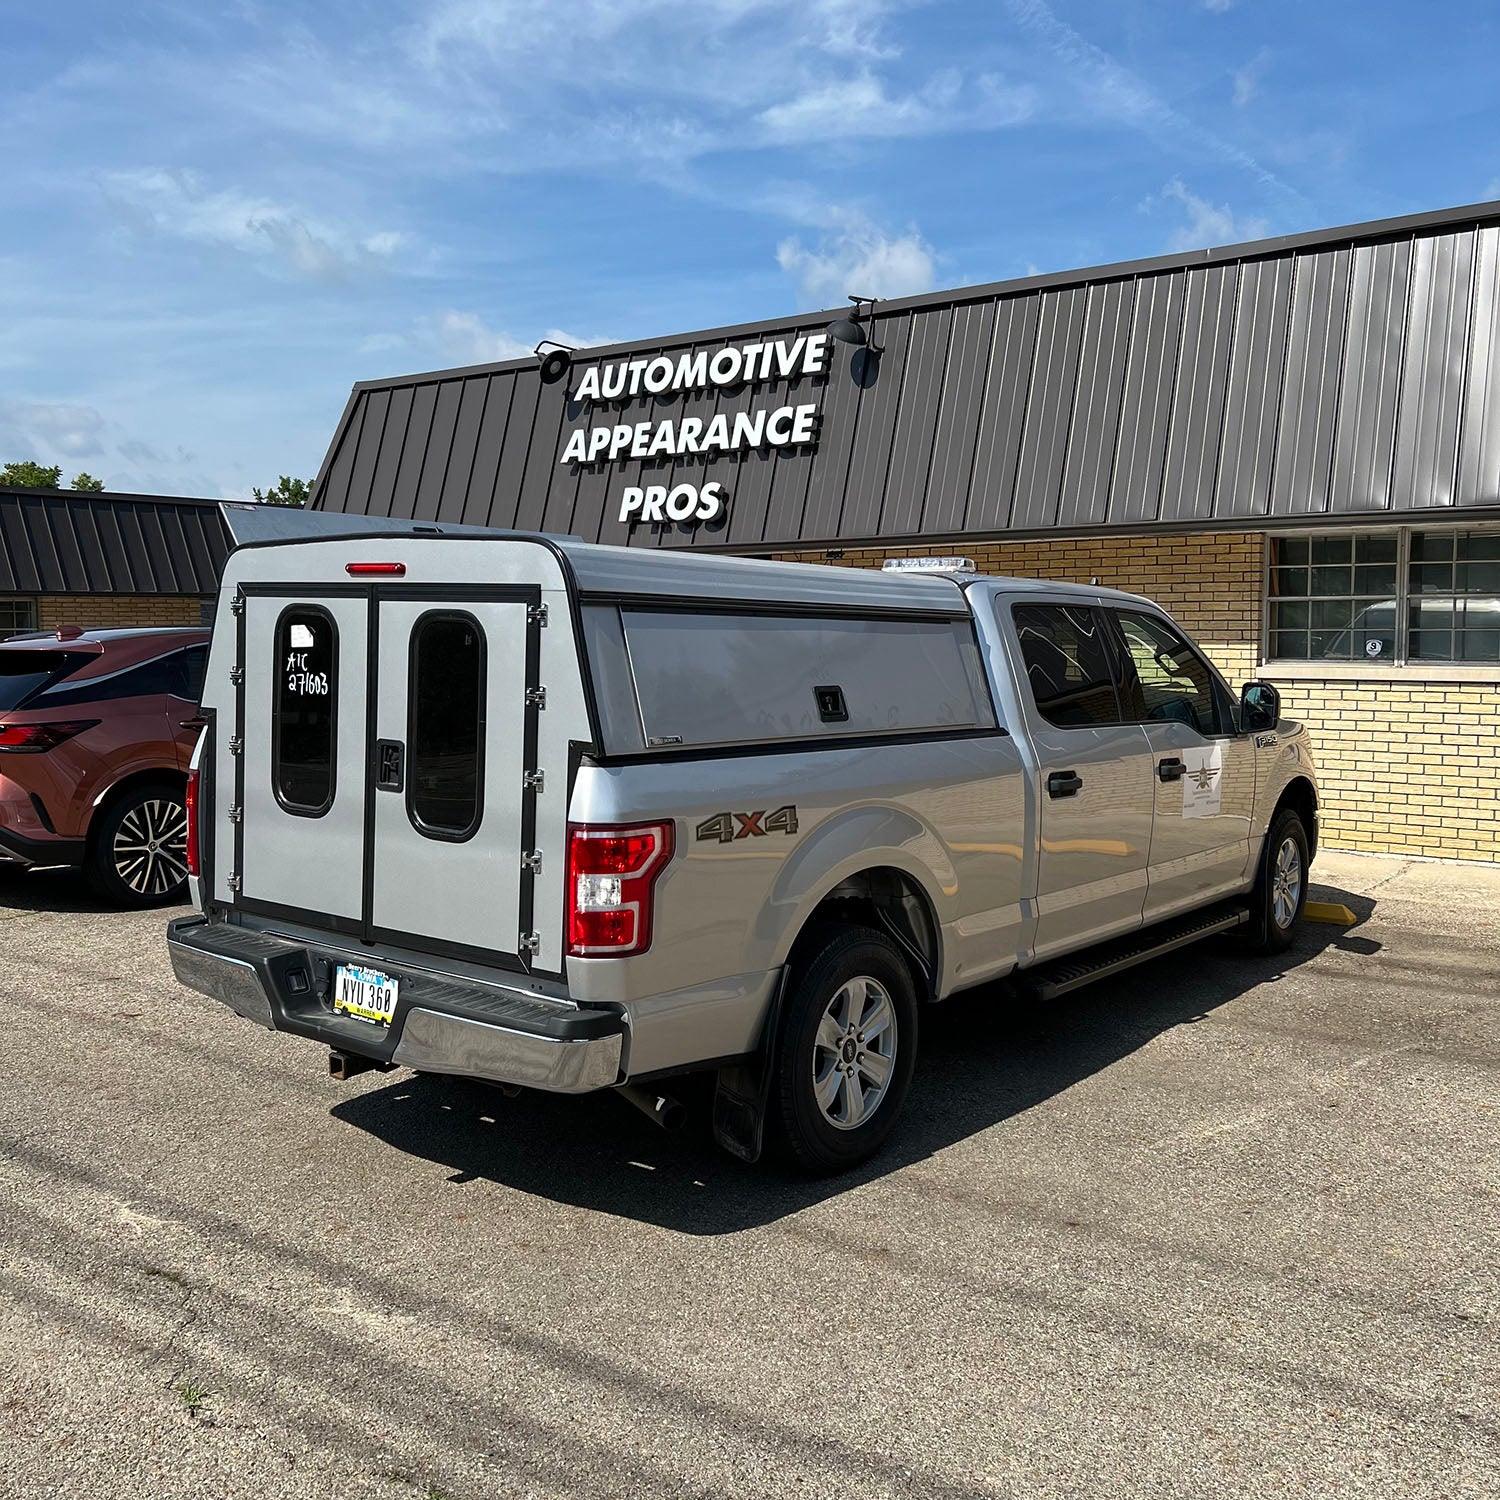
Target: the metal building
pixel 95 558
pixel 1294 444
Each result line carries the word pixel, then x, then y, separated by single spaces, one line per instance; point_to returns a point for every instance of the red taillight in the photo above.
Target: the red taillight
pixel 375 570
pixel 612 872
pixel 34 738
pixel 190 802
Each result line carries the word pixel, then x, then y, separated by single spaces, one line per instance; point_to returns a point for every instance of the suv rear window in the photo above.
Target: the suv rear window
pixel 23 674
pixel 302 749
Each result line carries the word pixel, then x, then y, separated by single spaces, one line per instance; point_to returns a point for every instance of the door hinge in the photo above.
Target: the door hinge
pixel 236 744
pixel 536 614
pixel 236 676
pixel 234 883
pixel 537 697
pixel 529 942
pixel 536 780
pixel 235 813
pixel 237 605
pixel 532 860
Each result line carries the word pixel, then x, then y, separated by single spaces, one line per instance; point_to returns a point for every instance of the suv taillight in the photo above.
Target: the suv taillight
pixel 32 739
pixel 190 803
pixel 612 872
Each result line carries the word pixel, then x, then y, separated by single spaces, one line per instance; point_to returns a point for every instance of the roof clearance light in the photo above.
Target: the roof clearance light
pixel 377 570
pixel 928 565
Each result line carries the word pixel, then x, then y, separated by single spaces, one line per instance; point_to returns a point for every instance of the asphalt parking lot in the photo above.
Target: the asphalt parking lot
pixel 1222 1227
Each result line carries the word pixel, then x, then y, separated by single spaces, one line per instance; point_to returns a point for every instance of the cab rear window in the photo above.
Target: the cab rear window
pixel 24 674
pixel 305 723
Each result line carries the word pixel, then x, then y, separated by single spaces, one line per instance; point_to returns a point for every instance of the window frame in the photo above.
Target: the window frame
pixel 300 809
pixel 481 746
pixel 1399 661
pixel 21 604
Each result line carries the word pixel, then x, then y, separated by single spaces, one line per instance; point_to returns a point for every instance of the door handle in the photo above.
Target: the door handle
pixel 1170 769
pixel 1064 784
pixel 390 765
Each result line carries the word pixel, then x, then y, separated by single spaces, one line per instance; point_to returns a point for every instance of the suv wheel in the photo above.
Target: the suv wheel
pixel 1280 886
pixel 847 1049
pixel 138 855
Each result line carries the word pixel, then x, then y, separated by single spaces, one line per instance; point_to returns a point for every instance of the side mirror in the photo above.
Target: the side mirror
pixel 1260 707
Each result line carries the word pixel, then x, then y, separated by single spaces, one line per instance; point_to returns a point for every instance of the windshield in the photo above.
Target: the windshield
pixel 23 674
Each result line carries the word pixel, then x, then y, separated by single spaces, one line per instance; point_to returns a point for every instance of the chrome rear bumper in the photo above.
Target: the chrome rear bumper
pixel 441 1025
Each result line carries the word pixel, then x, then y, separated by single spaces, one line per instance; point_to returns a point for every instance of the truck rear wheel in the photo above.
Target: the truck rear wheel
pixel 847 1048
pixel 1280 886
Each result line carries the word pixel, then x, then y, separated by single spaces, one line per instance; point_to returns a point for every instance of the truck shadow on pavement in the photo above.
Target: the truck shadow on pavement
pixel 986 1056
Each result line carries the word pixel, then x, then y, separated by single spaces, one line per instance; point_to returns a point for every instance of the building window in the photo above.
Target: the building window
pixel 1391 597
pixel 17 615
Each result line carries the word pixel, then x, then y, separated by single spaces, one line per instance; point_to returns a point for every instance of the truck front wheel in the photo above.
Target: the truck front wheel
pixel 847 1048
pixel 1280 885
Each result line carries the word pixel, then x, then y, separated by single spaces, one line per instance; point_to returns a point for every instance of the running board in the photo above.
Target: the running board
pixel 1062 977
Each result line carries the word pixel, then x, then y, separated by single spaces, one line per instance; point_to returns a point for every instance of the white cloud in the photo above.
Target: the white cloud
pixel 44 430
pixel 1218 6
pixel 860 258
pixel 1207 224
pixel 1492 189
pixel 1247 79
pixel 860 106
pixel 457 337
pixel 174 202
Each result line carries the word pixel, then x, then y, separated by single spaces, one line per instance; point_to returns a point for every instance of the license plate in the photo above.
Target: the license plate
pixel 365 993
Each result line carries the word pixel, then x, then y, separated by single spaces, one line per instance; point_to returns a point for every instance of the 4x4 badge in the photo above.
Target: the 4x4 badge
pixel 726 827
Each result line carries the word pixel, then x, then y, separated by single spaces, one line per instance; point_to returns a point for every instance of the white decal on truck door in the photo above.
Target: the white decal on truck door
pixel 1203 783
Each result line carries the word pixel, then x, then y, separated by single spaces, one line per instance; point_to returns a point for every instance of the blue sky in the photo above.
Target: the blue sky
pixel 223 215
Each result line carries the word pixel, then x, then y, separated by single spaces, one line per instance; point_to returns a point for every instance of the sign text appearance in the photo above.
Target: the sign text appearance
pixel 738 364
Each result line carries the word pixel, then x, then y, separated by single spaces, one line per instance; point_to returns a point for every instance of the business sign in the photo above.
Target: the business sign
pixel 736 364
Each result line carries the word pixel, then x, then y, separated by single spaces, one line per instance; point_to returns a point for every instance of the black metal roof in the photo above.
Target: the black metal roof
pixel 78 542
pixel 1349 374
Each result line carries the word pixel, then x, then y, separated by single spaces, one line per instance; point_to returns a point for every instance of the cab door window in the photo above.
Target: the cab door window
pixel 1068 665
pixel 1164 679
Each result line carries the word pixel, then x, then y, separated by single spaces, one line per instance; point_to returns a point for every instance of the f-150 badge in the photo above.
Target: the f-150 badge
pixel 726 827
pixel 1203 785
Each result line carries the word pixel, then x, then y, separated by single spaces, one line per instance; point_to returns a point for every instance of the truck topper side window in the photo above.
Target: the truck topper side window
pixel 1067 664
pixel 303 731
pixel 445 734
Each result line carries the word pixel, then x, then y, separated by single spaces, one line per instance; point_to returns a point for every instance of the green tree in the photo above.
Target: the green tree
pixel 31 476
pixel 86 481
pixel 286 491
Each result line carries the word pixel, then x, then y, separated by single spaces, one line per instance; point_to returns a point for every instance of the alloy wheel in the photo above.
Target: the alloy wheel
pixel 150 847
pixel 1286 883
pixel 854 1053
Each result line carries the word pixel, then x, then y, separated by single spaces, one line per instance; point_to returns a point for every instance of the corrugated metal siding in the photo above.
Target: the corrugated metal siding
pixel 1350 373
pixel 67 543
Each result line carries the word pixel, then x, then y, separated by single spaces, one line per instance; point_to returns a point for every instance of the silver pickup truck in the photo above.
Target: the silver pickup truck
pixel 572 817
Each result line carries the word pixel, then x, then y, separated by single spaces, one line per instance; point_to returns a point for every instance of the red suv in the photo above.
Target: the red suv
pixel 96 728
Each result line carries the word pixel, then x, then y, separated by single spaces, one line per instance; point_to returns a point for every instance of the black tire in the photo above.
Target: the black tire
pixel 826 979
pixel 137 850
pixel 1274 910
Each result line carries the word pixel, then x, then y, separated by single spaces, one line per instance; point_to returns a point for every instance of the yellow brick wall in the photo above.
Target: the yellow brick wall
pixel 1405 766
pixel 94 610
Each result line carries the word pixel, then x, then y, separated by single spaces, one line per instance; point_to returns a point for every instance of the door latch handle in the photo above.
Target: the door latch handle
pixel 1170 769
pixel 390 765
pixel 1064 784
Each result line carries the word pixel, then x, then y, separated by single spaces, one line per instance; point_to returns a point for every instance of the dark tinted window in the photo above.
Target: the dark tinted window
pixel 1164 677
pixel 305 713
pixel 191 665
pixel 151 679
pixel 445 753
pixel 25 673
pixel 1067 664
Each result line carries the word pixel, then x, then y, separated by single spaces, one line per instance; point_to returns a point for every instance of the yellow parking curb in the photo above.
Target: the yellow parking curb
pixel 1330 912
